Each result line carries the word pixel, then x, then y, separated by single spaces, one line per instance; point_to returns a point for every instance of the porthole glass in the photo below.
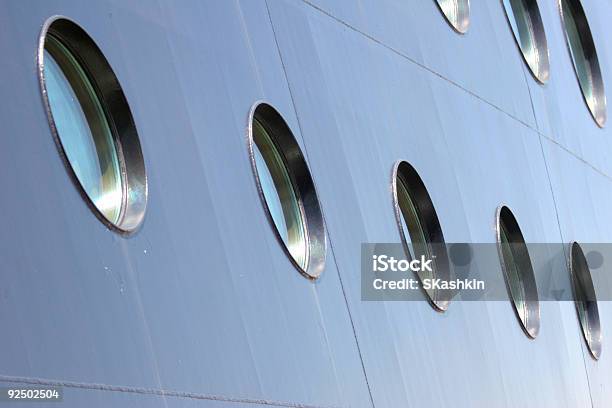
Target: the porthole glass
pixel 518 272
pixel 528 29
pixel 286 189
pixel 279 193
pixel 457 13
pixel 83 128
pixel 413 230
pixel 584 58
pixel 420 230
pixel 585 300
pixel 92 124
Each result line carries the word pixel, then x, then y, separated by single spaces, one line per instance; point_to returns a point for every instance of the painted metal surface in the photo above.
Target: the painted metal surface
pixel 202 302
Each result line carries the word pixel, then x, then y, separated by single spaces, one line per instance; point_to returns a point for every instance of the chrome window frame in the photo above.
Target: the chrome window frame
pixel 428 217
pixel 531 327
pixel 463 25
pixel 584 278
pixel 303 184
pixel 118 115
pixel 600 114
pixel 539 38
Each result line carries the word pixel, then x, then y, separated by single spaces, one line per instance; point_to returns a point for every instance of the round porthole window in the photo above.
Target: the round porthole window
pixel 518 272
pixel 457 13
pixel 585 300
pixel 286 189
pixel 92 124
pixel 584 58
pixel 526 23
pixel 420 230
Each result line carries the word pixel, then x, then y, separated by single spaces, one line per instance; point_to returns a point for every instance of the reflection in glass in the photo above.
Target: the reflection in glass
pixel 83 129
pixel 582 308
pixel 518 272
pixel 279 193
pixel 524 18
pixel 578 57
pixel 513 275
pixel 584 58
pixel 457 12
pixel 414 230
pixel 585 300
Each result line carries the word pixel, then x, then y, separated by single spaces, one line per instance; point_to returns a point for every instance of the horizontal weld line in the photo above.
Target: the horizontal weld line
pixel 439 75
pixel 151 391
pixel 415 62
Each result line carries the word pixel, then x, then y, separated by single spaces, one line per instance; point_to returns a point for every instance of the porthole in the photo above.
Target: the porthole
pixel 92 124
pixel 518 272
pixel 526 23
pixel 585 300
pixel 419 228
pixel 457 13
pixel 286 189
pixel 584 58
